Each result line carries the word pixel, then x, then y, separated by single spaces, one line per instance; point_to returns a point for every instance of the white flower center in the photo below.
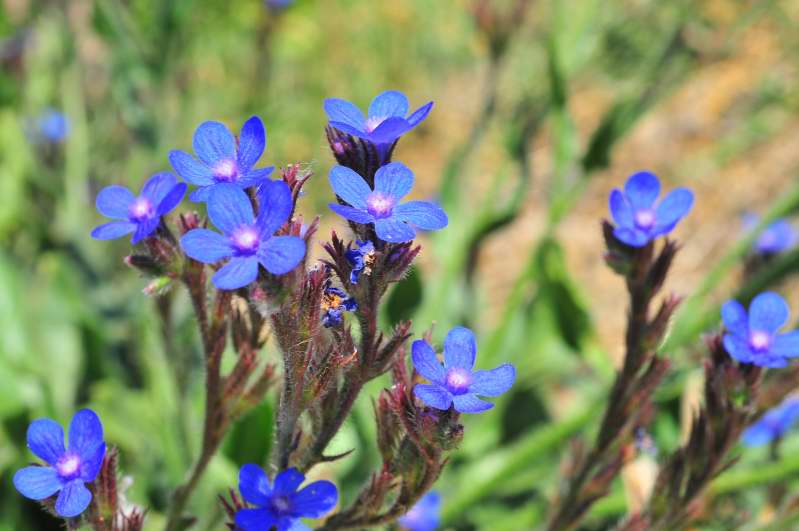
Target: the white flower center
pixel 246 240
pixel 759 341
pixel 458 380
pixel 373 122
pixel 379 204
pixel 645 218
pixel 141 208
pixel 226 171
pixel 68 466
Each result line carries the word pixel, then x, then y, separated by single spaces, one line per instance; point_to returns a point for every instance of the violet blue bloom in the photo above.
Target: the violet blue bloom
pixel 425 515
pixel 753 337
pixel 361 260
pixel 140 215
pixel 335 302
pixel 281 505
pixel 777 237
pixel 246 240
pixel 393 222
pixel 773 425
pixel 455 383
pixel 69 469
pixel 222 159
pixel 638 219
pixel 49 126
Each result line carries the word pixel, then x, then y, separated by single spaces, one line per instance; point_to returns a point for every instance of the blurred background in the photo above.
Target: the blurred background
pixel 541 108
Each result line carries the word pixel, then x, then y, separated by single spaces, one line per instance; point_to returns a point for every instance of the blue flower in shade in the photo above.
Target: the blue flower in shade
pixel 394 222
pixel 222 160
pixel 247 240
pixel 753 338
pixel 425 515
pixel 281 505
pixel 69 469
pixel 49 126
pixel 775 238
pixel 361 260
pixel 638 219
pixel 773 425
pixel 140 215
pixel 455 383
pixel 335 302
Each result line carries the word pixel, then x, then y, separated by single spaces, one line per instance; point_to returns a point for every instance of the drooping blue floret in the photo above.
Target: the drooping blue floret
pixel 774 424
pixel 394 222
pixel 425 515
pixel 140 215
pixel 779 236
pixel 67 469
pixel 246 240
pixel 335 302
pixel 223 160
pixel 361 260
pixel 753 338
pixel 638 219
pixel 455 383
pixel 281 505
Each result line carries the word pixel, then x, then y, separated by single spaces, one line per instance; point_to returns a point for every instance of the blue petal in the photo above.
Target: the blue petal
pixel 770 362
pixel 254 485
pixel 91 462
pixel 426 362
pixel 735 319
pixel 469 403
pixel 113 230
pixel 738 349
pixel 192 170
pixel 315 500
pixel 352 214
pixel 172 199
pixel 339 110
pixel 420 114
pixel 252 143
pixel 281 254
pixel 85 433
pixel 620 209
pixel 287 482
pixel 389 103
pixel 37 482
pixel 349 186
pixel 757 435
pixel 460 348
pixel 673 208
pixel 206 245
pixel 642 189
pixel 289 523
pixel 113 201
pixel 73 499
pixel 424 516
pixel 158 186
pixel 389 130
pixel 229 208
pixel 631 237
pixel 493 382
pixel 275 203
pixel 348 129
pixel 786 345
pixel 144 229
pixel 255 177
pixel 213 142
pixel 394 179
pixel 46 440
pixel 768 312
pixel 240 271
pixel 201 195
pixel 393 230
pixel 255 519
pixel 422 214
pixel 433 395
pixel 777 237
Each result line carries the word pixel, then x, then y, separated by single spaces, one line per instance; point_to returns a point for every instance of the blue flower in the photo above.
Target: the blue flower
pixel 278 5
pixel 361 260
pixel 49 126
pixel 753 338
pixel 455 383
pixel 773 425
pixel 424 516
pixel 281 505
pixel 247 240
pixel 140 215
pixel 638 219
pixel 222 159
pixel 775 238
pixel 69 469
pixel 393 222
pixel 335 302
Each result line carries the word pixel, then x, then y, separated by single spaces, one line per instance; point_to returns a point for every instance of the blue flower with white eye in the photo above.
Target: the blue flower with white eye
pixel 425 515
pixel 638 219
pixel 68 469
pixel 361 259
pixel 777 237
pixel 246 240
pixel 140 214
pixel 394 222
pixel 753 338
pixel 773 425
pixel 455 383
pixel 223 160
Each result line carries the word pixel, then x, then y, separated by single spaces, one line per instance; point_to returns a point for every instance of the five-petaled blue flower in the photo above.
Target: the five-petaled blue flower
pixel 753 338
pixel 335 302
pixel 361 260
pixel 425 515
pixel 247 240
pixel 773 425
pixel 68 468
pixel 393 222
pixel 222 159
pixel 455 383
pixel 140 215
pixel 777 237
pixel 638 219
pixel 281 505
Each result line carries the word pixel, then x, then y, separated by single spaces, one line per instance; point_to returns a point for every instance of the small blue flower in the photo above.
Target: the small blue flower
pixel 638 219
pixel 50 126
pixel 425 515
pixel 773 425
pixel 361 260
pixel 246 240
pixel 753 338
pixel 335 302
pixel 455 383
pixel 393 222
pixel 222 159
pixel 281 505
pixel 278 5
pixel 140 215
pixel 69 469
pixel 775 238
